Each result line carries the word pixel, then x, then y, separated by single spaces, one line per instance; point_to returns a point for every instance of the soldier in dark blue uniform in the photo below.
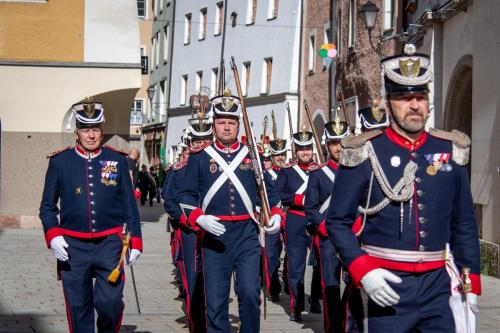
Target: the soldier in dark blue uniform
pixel 412 188
pixel 189 246
pixel 291 185
pixel 317 200
pixel 219 194
pixel 92 185
pixel 372 117
pixel 274 246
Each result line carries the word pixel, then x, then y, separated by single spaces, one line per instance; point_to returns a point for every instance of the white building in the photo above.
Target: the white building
pixel 463 39
pixel 262 36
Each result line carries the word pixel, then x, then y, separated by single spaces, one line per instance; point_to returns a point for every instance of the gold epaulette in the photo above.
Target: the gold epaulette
pixel 354 150
pixel 57 152
pixel 460 143
pixel 115 149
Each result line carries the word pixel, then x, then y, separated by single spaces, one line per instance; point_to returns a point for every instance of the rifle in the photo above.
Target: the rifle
pixel 274 128
pixel 315 134
pixel 257 166
pixel 346 116
pixel 290 124
pixel 264 125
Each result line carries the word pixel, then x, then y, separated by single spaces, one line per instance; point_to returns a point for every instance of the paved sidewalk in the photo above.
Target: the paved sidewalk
pixel 31 298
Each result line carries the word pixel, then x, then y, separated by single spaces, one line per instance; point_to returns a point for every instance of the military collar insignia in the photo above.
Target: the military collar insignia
pixel 85 154
pixel 227 150
pixel 404 142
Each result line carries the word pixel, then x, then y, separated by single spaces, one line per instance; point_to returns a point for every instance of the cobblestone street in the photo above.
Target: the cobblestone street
pixel 32 301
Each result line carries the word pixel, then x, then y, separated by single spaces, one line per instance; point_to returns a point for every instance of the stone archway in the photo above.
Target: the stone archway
pixel 458 105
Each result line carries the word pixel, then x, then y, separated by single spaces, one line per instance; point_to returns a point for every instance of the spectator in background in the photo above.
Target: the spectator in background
pixel 133 165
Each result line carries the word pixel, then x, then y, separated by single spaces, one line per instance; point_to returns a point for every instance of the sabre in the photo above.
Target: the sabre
pixel 134 285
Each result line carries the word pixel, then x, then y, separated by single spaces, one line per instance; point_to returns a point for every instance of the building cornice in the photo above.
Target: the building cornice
pixel 263 99
pixel 70 64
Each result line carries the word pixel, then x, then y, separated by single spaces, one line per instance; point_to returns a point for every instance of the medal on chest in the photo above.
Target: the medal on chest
pixel 109 172
pixel 438 162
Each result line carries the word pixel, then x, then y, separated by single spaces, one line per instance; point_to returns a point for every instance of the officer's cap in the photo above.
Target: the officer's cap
pixel 373 117
pixel 277 147
pixel 200 128
pixel 406 73
pixel 303 138
pixel 88 113
pixel 336 130
pixel 226 105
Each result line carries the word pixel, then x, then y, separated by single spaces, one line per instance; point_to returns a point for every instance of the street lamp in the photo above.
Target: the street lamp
pixel 151 94
pixel 369 11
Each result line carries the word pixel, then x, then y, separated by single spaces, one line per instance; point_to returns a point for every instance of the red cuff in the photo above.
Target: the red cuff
pixel 193 216
pixel 475 280
pixel 279 211
pixel 51 234
pixel 358 224
pixel 136 243
pixel 359 267
pixel 298 200
pixel 184 220
pixel 322 229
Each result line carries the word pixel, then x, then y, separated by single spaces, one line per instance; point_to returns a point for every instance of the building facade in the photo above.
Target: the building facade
pixel 154 120
pixel 76 50
pixel 262 36
pixel 463 38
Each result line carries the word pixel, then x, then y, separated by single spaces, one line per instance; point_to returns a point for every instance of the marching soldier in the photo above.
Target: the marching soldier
pixel 277 152
pixel 291 185
pixel 412 188
pixel 219 194
pixel 189 249
pixel 92 185
pixel 317 200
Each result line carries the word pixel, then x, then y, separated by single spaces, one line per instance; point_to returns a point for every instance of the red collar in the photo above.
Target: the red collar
pixel 305 166
pixel 87 154
pixel 404 142
pixel 234 147
pixel 333 165
pixel 276 168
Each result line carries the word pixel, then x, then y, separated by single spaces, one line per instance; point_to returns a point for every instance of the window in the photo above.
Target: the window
pixel 187 29
pixel 234 16
pixel 144 61
pixel 251 11
pixel 184 87
pixel 245 78
pixel 203 24
pixel 312 53
pixel 388 15
pixel 266 75
pixel 219 18
pixel 163 98
pixel 141 8
pixel 327 33
pixel 352 18
pixel 157 49
pixel 199 81
pixel 213 81
pixel 153 53
pixel 136 113
pixel 166 45
pixel 273 9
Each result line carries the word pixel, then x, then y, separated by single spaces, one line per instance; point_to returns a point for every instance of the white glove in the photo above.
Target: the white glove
pixel 273 226
pixel 472 301
pixel 209 223
pixel 132 258
pixel 59 246
pixel 376 286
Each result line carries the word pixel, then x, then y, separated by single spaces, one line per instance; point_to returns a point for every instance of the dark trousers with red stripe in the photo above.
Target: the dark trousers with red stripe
pixel 423 305
pixel 297 242
pixel 237 250
pixel 192 280
pixel 330 282
pixel 273 253
pixel 90 258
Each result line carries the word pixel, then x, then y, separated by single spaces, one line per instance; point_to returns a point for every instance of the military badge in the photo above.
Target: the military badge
pixel 78 190
pixel 409 67
pixel 213 168
pixel 89 107
pixel 437 162
pixel 227 103
pixel 109 172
